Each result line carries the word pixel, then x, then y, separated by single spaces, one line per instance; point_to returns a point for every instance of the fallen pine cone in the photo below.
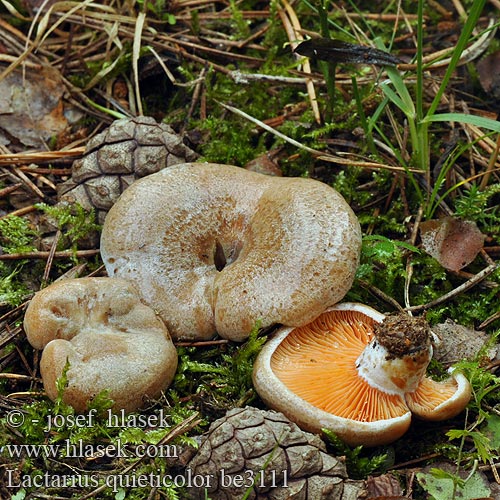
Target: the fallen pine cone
pixel 262 451
pixel 127 150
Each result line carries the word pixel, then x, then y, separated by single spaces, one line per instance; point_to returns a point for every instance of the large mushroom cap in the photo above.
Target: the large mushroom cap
pixel 110 339
pixel 215 248
pixel 332 373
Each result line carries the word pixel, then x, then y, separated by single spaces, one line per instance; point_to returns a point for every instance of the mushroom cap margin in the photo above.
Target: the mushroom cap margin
pixel 447 408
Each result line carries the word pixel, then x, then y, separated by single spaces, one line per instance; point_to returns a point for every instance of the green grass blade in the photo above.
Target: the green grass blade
pixel 395 99
pixel 470 24
pixel 478 121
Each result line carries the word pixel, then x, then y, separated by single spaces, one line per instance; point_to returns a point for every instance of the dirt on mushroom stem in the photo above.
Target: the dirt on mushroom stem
pixel 402 334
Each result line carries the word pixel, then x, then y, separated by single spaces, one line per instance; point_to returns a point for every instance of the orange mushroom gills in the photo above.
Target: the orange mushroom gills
pixel 335 373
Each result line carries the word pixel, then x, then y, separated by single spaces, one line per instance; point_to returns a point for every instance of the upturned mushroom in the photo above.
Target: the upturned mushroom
pixel 215 248
pixel 358 374
pixel 109 338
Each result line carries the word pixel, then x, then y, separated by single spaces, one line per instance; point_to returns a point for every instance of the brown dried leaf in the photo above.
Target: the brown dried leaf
pixel 31 108
pixel 454 243
pixel 384 487
pixel 265 164
pixel 488 70
pixel 456 342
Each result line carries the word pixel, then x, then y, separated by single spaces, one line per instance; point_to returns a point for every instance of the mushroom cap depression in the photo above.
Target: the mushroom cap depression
pixel 215 248
pixel 111 340
pixel 334 374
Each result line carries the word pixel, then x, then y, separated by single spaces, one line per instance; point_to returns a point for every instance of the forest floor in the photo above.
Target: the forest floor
pixel 411 139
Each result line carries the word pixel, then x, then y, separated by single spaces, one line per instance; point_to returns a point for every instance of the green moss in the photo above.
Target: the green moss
pixel 12 290
pixel 231 139
pixel 228 141
pixel 74 222
pixel 221 377
pixel 62 440
pixel 359 462
pixel 481 206
pixel 16 235
pixel 159 9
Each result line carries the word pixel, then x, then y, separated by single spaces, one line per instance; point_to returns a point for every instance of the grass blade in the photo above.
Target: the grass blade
pixel 478 121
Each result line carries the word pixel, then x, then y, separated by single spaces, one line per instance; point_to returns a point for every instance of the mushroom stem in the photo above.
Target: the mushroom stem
pixel 397 357
pixel 393 375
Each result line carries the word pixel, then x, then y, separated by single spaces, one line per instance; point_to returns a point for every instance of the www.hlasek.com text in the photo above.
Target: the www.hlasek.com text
pixel 80 449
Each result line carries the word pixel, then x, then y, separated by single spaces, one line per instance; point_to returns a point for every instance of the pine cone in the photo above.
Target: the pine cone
pixel 127 150
pixel 262 451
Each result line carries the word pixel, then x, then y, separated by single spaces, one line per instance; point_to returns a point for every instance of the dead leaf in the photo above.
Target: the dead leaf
pixel 443 488
pixel 384 487
pixel 31 108
pixel 488 70
pixel 266 164
pixel 454 243
pixel 457 342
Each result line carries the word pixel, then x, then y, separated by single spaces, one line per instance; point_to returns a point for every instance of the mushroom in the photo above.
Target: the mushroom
pixel 216 248
pixel 358 374
pixel 109 338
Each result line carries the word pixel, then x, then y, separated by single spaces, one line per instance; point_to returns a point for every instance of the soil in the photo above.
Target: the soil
pixel 402 334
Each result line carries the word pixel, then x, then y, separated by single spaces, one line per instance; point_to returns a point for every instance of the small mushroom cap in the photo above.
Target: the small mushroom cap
pixel 436 401
pixel 215 248
pixel 311 374
pixel 110 339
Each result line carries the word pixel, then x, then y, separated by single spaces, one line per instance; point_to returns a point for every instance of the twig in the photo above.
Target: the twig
pixel 456 291
pixel 136 47
pixel 240 77
pixel 464 275
pixel 486 257
pixel 491 165
pixel 18 213
pixel 50 257
pixel 15 376
pixel 493 249
pixel 409 264
pixel 489 320
pixel 292 27
pixel 39 156
pixel 200 81
pixel 321 155
pixel 415 461
pixel 381 295
pixel 6 191
pixel 270 129
pixel 204 343
pixel 27 182
pixel 365 164
pixel 63 254
pixel 459 8
pixel 245 14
